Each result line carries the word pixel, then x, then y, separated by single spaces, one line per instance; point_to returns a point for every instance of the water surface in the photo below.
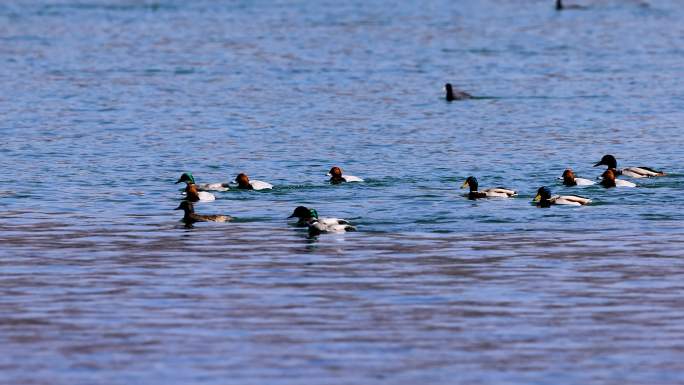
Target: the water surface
pixel 105 103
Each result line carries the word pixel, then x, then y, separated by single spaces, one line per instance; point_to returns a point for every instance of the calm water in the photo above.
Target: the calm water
pixel 105 103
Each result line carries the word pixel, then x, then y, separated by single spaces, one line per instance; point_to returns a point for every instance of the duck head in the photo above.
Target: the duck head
pixel 543 197
pixel 608 178
pixel 472 182
pixel 607 160
pixel 243 181
pixel 449 92
pixel 335 174
pixel 191 192
pixel 304 213
pixel 569 177
pixel 186 177
pixel 186 206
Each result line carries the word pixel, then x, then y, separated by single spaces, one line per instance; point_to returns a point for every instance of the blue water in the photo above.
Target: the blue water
pixel 105 103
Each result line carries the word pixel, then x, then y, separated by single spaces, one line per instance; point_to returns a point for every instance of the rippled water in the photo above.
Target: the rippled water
pixel 105 103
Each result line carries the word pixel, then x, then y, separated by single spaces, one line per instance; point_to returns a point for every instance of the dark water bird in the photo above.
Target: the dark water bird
pixel 569 179
pixel 545 199
pixel 452 94
pixel 634 172
pixel 244 183
pixel 190 217
pixel 336 176
pixel 309 217
pixel 497 192
pixel 560 6
pixel 608 180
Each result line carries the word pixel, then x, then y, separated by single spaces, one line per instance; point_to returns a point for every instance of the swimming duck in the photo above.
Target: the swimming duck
pixel 499 192
pixel 544 199
pixel 190 217
pixel 569 179
pixel 560 6
pixel 337 177
pixel 309 217
pixel 244 183
pixel 452 95
pixel 188 178
pixel 634 172
pixel 610 181
pixel 194 195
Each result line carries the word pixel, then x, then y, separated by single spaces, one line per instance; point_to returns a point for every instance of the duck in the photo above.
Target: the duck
pixel 336 176
pixel 544 199
pixel 192 194
pixel 608 180
pixel 569 179
pixel 245 184
pixel 634 172
pixel 499 192
pixel 309 218
pixel 188 178
pixel 190 217
pixel 452 95
pixel 560 6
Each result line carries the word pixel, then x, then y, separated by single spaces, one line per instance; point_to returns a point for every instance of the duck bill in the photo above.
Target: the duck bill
pixel 291 216
pixel 599 163
pixel 537 198
pixel 465 184
pixel 178 181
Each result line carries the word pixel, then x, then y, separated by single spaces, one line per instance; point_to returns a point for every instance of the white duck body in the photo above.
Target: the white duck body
pixel 639 172
pixel 572 200
pixel 332 221
pixel 584 182
pixel 260 185
pixel 499 192
pixel 352 178
pixel 624 183
pixel 206 196
pixel 329 225
pixel 213 187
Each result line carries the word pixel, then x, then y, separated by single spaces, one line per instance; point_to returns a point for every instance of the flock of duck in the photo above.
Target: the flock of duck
pixel 308 217
pixel 545 199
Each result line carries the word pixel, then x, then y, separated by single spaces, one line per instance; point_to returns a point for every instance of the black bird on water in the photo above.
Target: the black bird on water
pixel 560 6
pixel 452 95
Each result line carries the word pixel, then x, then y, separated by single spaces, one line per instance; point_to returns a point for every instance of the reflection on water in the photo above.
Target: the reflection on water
pixel 105 104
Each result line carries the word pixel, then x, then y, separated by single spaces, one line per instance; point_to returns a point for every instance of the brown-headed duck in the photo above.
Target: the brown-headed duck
pixel 569 179
pixel 336 176
pixel 545 199
pixel 245 184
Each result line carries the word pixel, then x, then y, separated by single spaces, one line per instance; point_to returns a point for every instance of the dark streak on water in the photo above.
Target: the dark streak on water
pixel 105 103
